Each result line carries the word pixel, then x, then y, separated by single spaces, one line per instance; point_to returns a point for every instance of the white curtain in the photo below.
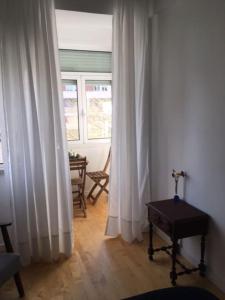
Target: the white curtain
pixel 39 171
pixel 129 179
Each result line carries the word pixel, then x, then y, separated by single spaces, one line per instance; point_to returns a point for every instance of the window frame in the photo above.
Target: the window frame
pixel 79 96
pixel 81 78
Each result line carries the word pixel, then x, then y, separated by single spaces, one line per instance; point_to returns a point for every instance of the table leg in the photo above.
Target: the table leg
pixel 202 266
pixel 150 249
pixel 173 274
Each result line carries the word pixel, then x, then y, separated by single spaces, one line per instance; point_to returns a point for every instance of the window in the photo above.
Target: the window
pixel 99 109
pixel 70 97
pixel 87 106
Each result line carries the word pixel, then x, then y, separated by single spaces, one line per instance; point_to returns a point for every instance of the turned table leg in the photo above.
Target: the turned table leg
pixel 202 266
pixel 173 274
pixel 150 249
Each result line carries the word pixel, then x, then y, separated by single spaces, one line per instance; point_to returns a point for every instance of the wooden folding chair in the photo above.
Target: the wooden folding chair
pixel 79 165
pixel 98 177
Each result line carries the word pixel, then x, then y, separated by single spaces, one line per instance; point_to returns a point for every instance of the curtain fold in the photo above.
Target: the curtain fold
pixel 129 178
pixel 39 170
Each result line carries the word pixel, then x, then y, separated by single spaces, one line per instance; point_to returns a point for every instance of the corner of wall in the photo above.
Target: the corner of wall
pixel 218 281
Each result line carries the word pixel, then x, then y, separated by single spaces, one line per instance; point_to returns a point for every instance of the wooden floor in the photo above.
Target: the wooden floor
pixel 100 268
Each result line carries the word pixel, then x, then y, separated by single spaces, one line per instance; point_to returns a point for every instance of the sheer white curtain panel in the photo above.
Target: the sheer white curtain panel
pixel 38 160
pixel 130 178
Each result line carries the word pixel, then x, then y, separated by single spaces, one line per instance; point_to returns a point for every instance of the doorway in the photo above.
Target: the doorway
pixel 85 51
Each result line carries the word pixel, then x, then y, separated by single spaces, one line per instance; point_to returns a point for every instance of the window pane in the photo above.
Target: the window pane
pixel 99 109
pixel 70 97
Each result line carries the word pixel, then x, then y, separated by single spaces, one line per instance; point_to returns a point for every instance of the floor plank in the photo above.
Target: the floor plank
pixel 100 268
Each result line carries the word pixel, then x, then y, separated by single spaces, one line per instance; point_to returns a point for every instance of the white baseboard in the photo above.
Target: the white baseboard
pixel 163 235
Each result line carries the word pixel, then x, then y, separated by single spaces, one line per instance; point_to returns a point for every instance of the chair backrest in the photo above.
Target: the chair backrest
pixel 107 161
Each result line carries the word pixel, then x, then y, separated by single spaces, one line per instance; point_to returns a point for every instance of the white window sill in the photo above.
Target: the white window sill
pixel 90 142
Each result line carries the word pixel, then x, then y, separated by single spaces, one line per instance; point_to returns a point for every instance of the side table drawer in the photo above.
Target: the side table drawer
pixel 198 226
pixel 160 221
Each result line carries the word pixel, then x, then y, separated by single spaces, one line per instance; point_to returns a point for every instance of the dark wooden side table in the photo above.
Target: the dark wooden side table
pixel 178 220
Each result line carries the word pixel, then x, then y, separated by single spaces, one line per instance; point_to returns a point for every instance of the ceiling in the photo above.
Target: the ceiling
pixel 84 31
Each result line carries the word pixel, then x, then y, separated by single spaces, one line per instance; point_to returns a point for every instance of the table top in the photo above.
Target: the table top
pixel 5 224
pixel 76 158
pixel 77 163
pixel 176 211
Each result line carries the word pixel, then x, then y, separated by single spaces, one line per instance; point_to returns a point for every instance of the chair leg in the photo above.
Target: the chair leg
pixel 19 285
pixel 81 195
pixel 102 188
pixel 83 205
pixel 92 190
pixel 82 201
pixel 79 192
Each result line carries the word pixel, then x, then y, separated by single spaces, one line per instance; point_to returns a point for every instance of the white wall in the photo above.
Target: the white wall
pixel 92 6
pixel 5 206
pixel 84 31
pixel 188 114
pixel 5 203
pixel 97 6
